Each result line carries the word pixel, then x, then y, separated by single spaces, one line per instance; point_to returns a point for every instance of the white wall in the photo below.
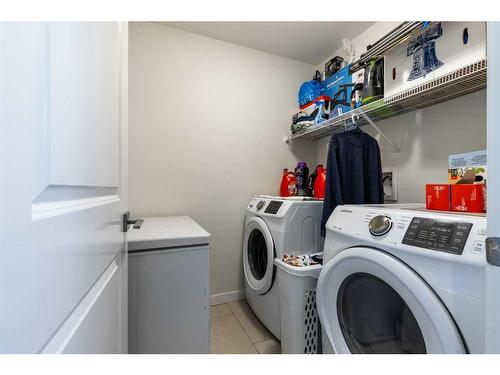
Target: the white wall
pixel 368 36
pixel 207 120
pixel 425 137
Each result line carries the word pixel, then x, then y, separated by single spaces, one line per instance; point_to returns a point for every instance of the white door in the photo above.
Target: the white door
pixel 63 163
pixel 492 343
pixel 370 302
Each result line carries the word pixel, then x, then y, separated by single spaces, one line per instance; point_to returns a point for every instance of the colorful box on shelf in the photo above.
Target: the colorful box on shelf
pixel 468 168
pixel 438 197
pixel 468 198
pixel 458 197
pixel 339 88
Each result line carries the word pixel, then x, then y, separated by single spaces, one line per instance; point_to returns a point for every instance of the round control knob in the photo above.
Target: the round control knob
pixel 380 225
pixel 260 205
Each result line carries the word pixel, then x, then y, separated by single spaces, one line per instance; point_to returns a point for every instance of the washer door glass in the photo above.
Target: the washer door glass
pixel 371 302
pixel 257 254
pixel 375 319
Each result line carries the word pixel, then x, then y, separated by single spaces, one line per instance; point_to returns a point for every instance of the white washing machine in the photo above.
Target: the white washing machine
pixel 401 279
pixel 275 226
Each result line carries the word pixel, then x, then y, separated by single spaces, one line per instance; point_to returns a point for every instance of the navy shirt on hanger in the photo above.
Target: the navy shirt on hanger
pixel 354 172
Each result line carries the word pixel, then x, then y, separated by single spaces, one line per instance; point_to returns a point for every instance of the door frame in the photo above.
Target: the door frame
pixel 492 292
pixel 124 36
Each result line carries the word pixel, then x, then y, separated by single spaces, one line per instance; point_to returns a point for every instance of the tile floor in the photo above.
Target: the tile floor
pixel 236 330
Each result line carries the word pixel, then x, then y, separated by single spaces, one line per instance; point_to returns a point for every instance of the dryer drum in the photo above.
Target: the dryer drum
pixel 375 319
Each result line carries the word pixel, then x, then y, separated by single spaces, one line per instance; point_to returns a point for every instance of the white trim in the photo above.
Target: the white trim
pixel 220 298
pixel 492 319
pixel 41 211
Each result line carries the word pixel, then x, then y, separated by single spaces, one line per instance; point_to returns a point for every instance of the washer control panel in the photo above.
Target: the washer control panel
pixel 273 207
pixel 439 235
pixel 264 206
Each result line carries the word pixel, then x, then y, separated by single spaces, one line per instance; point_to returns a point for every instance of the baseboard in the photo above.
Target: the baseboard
pixel 235 295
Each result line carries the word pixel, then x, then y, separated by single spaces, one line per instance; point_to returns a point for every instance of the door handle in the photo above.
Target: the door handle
pixel 136 222
pixel 493 251
pixel 126 221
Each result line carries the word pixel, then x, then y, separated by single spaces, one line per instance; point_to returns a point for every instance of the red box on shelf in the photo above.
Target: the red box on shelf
pixel 468 198
pixel 437 197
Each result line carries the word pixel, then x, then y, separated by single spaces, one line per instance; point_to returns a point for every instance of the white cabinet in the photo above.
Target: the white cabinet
pixel 169 287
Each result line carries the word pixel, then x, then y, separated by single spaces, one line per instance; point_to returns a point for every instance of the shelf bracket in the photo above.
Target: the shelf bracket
pixel 369 120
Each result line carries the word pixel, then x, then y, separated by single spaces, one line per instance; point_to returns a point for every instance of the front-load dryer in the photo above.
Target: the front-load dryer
pixel 401 279
pixel 273 227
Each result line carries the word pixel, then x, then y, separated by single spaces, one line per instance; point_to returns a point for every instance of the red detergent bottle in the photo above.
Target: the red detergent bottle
pixel 320 182
pixel 288 182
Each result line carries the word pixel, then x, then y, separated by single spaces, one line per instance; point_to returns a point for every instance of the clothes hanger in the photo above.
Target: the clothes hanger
pixel 353 121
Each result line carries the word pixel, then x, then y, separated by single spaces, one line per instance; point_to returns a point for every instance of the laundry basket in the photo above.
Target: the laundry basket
pixel 300 328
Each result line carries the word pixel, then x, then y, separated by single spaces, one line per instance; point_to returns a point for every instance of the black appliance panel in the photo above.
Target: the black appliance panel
pixel 273 207
pixel 439 235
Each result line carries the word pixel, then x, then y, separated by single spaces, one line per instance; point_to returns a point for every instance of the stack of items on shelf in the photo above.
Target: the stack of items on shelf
pixel 301 183
pixel 466 188
pixel 337 91
pixel 314 106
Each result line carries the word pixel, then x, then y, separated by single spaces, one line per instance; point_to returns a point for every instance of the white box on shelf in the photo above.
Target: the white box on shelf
pixel 450 50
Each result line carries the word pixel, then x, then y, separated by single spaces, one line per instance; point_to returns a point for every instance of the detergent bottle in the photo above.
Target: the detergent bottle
pixel 310 184
pixel 302 178
pixel 288 184
pixel 320 182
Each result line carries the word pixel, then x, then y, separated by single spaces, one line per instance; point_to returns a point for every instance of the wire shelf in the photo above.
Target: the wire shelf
pixel 460 82
pixel 404 31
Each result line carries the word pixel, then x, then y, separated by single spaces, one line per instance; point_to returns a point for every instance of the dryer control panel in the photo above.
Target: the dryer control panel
pixel 439 235
pixel 264 207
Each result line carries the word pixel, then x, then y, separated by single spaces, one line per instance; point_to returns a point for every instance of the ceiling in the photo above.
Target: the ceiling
pixel 309 42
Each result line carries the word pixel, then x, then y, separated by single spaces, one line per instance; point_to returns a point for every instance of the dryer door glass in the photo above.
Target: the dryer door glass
pixel 257 254
pixel 374 318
